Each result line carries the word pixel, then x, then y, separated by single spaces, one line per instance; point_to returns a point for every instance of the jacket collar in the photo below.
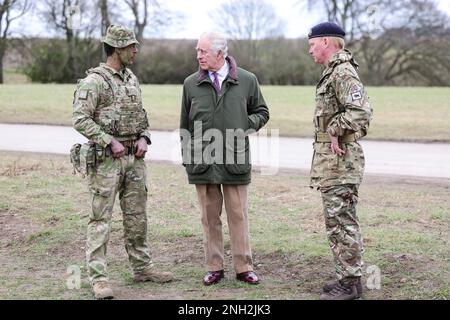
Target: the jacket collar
pixel 232 74
pixel 340 57
pixel 336 59
pixel 123 73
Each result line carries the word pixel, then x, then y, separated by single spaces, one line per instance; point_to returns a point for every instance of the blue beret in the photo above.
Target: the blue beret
pixel 326 29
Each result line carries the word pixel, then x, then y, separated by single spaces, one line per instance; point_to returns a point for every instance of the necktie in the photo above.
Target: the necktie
pixel 216 82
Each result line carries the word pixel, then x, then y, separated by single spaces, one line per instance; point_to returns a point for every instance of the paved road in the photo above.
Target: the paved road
pixel 416 159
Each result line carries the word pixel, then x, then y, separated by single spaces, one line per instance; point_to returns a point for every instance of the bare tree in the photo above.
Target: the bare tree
pixel 151 15
pixel 139 8
pixel 352 15
pixel 65 17
pixel 248 22
pixel 394 39
pixel 105 22
pixel 10 10
pixel 58 15
pixel 413 44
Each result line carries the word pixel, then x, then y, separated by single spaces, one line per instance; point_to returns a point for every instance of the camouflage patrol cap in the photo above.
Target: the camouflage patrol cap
pixel 119 36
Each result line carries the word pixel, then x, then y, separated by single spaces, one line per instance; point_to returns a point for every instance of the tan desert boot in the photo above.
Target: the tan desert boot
pixel 102 290
pixel 151 274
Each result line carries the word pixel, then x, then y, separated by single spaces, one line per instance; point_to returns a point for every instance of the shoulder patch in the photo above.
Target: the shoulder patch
pixel 356 96
pixel 355 91
pixel 83 94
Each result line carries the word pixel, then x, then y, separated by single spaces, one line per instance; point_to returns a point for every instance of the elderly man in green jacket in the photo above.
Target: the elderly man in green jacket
pixel 221 105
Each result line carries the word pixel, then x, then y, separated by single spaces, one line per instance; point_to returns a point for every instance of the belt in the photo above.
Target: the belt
pixel 324 137
pixel 129 146
pixel 130 149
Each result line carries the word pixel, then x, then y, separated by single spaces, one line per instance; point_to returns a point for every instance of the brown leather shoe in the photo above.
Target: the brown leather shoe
pixel 248 276
pixel 213 277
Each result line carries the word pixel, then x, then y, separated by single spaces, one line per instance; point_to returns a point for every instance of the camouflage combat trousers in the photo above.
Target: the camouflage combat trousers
pixel 126 176
pixel 344 235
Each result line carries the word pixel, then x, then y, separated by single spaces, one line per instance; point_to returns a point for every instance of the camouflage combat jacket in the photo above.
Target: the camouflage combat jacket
pixel 107 104
pixel 343 110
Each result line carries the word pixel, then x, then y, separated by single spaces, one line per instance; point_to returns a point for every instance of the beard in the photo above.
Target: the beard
pixel 126 58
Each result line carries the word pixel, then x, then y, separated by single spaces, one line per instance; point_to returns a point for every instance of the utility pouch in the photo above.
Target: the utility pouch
pixel 75 157
pixel 100 153
pixel 87 157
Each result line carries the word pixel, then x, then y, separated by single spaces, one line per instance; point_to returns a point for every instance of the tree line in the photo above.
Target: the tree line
pixel 396 43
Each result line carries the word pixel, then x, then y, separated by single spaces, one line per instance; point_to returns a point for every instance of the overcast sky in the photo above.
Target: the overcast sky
pixel 298 19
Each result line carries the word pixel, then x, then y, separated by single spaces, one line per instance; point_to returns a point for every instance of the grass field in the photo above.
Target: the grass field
pixel 400 114
pixel 44 209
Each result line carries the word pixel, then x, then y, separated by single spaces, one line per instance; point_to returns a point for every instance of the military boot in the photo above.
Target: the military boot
pixel 344 289
pixel 151 274
pixel 359 289
pixel 102 290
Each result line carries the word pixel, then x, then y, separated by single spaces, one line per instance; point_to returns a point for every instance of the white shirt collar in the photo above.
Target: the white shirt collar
pixel 222 72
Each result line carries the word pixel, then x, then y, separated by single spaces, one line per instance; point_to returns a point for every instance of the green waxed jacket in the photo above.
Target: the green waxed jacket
pixel 214 127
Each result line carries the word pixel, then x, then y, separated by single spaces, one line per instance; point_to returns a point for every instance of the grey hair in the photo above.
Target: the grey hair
pixel 338 42
pixel 218 42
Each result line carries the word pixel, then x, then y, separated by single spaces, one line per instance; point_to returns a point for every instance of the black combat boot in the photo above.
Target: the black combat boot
pixel 359 289
pixel 345 289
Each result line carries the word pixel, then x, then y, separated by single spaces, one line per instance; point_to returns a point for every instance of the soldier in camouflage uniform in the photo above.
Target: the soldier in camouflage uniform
pixel 341 117
pixel 108 110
